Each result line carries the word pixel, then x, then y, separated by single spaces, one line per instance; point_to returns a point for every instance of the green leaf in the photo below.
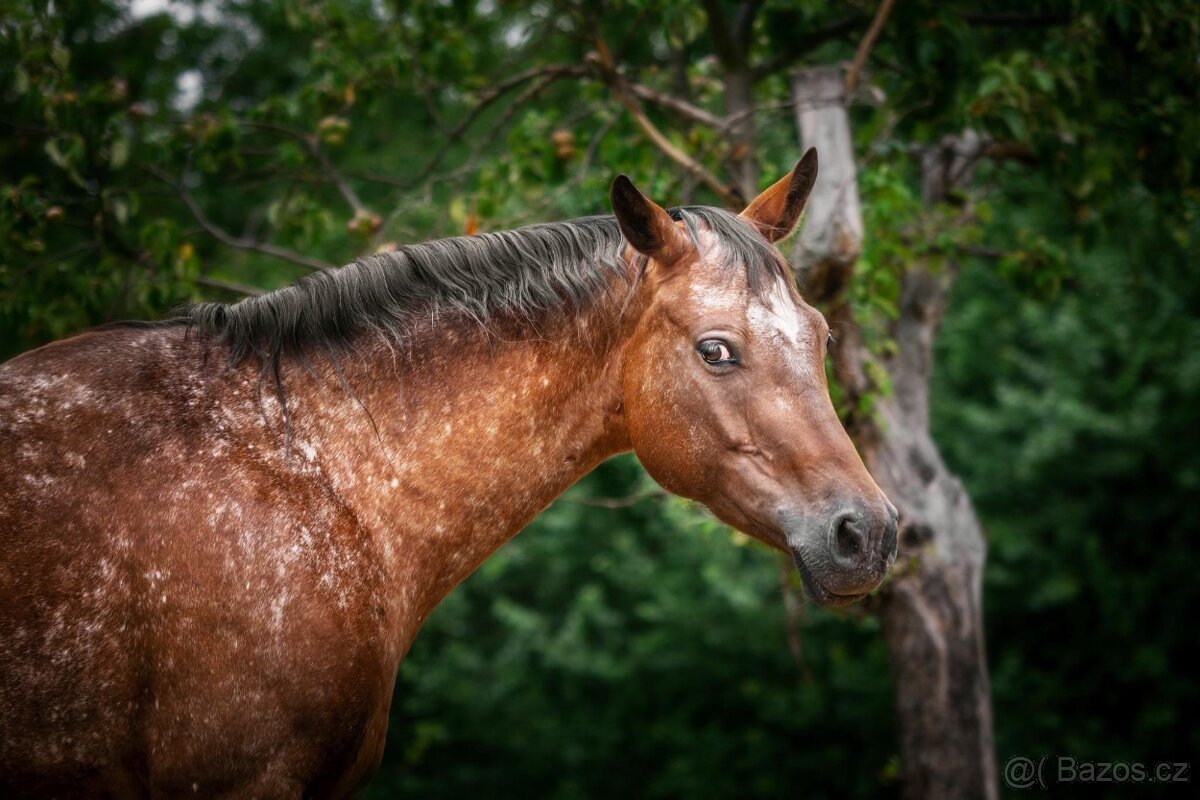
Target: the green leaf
pixel 60 55
pixel 1044 80
pixel 118 154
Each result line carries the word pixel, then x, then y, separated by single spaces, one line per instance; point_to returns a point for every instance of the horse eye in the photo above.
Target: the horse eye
pixel 829 341
pixel 714 351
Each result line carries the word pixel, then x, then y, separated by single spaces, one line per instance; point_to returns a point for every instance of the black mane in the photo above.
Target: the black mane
pixel 528 272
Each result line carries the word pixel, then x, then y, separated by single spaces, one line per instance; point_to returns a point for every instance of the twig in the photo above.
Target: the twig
pixel 585 165
pixel 73 250
pixel 343 187
pixel 676 104
pixel 548 74
pixel 868 42
pixel 527 95
pixel 1015 151
pixel 766 108
pixel 332 174
pixel 580 175
pixel 484 101
pixel 603 61
pixel 539 85
pixel 224 237
pixel 804 44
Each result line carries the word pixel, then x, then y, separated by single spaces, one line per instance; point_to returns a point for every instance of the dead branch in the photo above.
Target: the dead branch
pixel 1010 151
pixel 313 145
pixel 485 100
pixel 803 46
pixel 570 185
pixel 677 104
pixel 867 43
pixel 602 60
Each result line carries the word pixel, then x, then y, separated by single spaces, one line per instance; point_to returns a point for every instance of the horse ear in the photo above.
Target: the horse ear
pixel 646 225
pixel 776 211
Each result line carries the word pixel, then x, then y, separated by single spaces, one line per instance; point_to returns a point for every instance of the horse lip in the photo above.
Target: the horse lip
pixel 817 591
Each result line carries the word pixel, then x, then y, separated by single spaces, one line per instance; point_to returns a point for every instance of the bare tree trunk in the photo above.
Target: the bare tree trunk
pixel 831 240
pixel 931 609
pixel 731 35
pixel 739 109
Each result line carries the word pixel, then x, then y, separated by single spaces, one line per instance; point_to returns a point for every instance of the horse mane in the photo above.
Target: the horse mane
pixel 527 273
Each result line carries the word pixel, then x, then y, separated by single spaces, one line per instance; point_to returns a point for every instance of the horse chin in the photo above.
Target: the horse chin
pixel 817 591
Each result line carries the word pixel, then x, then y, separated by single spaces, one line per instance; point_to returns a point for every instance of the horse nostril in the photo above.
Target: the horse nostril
pixel 850 540
pixel 888 547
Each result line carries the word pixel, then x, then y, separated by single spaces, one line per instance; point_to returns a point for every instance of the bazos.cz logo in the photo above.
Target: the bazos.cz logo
pixel 1022 772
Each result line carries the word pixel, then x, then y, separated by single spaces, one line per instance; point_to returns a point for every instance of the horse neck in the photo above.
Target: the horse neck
pixel 446 448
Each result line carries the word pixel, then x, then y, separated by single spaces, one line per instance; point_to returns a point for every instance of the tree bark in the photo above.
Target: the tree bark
pixel 831 241
pixel 731 37
pixel 739 109
pixel 931 607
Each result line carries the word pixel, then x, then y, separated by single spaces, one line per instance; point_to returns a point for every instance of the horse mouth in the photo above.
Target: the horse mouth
pixel 820 595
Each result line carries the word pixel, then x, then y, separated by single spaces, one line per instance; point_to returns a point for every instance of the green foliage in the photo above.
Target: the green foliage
pixel 1073 425
pixel 645 648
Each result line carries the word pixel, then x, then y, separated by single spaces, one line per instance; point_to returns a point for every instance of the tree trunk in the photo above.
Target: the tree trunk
pixel 831 240
pixel 739 108
pixel 931 608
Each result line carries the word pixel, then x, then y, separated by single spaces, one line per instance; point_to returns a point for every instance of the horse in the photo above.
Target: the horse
pixel 222 531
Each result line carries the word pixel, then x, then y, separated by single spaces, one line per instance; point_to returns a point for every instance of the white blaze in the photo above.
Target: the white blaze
pixel 777 320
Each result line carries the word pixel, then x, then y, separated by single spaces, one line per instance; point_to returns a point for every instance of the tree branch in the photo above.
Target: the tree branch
pixel 1010 151
pixel 602 59
pixel 485 100
pixel 313 145
pixel 677 104
pixel 343 187
pixel 804 45
pixel 224 237
pixel 868 42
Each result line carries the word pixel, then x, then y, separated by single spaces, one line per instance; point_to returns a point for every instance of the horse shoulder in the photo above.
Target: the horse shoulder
pixel 179 587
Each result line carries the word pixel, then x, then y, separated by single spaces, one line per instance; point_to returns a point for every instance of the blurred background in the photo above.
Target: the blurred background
pixel 1015 296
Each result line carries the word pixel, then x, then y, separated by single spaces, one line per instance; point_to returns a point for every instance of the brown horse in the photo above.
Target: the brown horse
pixel 221 532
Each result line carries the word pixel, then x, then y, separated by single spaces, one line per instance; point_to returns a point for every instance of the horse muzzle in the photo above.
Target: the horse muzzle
pixel 843 556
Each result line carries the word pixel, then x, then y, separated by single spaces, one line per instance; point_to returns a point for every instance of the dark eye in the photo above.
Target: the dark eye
pixel 829 341
pixel 717 352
